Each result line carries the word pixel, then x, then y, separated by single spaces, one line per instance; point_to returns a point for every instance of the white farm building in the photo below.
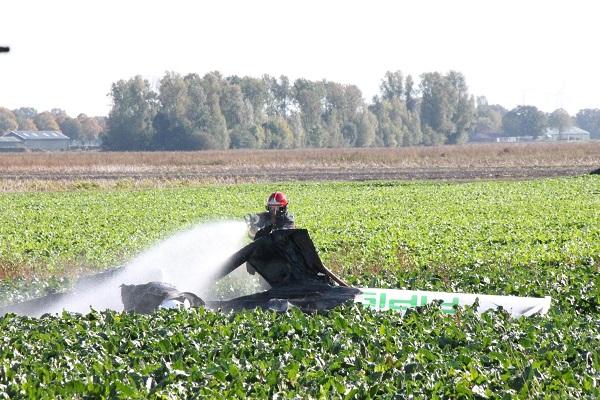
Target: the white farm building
pixel 41 140
pixel 569 134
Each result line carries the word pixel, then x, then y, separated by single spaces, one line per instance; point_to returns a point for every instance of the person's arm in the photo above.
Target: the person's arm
pixel 255 223
pixel 252 230
pixel 288 222
pixel 263 231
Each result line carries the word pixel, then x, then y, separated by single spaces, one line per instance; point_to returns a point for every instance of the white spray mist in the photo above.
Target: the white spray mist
pixel 188 260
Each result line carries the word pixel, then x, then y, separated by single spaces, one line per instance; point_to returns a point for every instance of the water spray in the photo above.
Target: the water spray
pixel 189 260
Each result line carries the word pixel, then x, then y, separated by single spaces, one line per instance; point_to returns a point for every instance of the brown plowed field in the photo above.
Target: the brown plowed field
pixel 466 162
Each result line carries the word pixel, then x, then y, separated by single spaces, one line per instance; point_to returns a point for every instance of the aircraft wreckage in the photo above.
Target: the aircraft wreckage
pixel 289 263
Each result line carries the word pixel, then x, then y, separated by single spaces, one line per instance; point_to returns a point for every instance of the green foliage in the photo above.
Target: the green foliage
pixel 560 119
pixel 410 95
pixel 488 119
pixel 277 134
pixel 348 353
pixel 130 120
pixel 473 237
pixel 174 129
pixel 365 126
pixel 8 120
pixel 391 115
pixel 447 110
pixel 589 119
pixel 216 112
pixel 529 238
pixel 392 85
pixel 524 121
pixel 212 112
pixel 71 127
pixel 45 122
pixel 25 116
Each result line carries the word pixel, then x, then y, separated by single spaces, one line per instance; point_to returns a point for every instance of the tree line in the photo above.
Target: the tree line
pixel 82 128
pixel 193 112
pixel 527 120
pixel 213 112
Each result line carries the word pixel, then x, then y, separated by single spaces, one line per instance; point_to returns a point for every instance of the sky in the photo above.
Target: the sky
pixel 66 54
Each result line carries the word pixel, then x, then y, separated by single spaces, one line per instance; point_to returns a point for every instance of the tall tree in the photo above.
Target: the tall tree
pixel 216 135
pixel 410 95
pixel 463 108
pixel 487 118
pixel 27 125
pixel 278 134
pixel 59 115
pixel 524 121
pixel 310 96
pixel 499 109
pixel 355 104
pixel 413 126
pixel 174 131
pixel 130 120
pixel 235 109
pixel 45 122
pixel 239 115
pixel 295 124
pixel 341 109
pixel 90 128
pixel 25 117
pixel 281 96
pixel 71 127
pixel 197 112
pixel 446 107
pixel 436 108
pixel 366 125
pixel 350 134
pixel 8 120
pixel 334 113
pixel 256 92
pixel 560 120
pixel 392 85
pixel 251 138
pixel 589 119
pixel 391 117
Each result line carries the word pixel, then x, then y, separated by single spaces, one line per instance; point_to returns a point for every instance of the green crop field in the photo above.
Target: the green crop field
pixel 527 238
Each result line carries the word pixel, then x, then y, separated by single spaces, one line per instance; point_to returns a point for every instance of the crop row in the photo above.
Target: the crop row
pixel 529 238
pixel 350 353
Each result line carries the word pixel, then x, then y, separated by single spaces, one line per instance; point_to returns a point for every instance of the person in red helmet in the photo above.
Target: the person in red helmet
pixel 276 217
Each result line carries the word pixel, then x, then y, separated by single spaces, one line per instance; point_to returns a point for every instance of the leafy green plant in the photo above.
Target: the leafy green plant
pixel 530 238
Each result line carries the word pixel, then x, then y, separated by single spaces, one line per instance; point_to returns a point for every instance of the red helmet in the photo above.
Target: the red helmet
pixel 277 199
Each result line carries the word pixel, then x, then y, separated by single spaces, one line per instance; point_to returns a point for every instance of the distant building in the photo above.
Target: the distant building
pixel 41 140
pixel 515 139
pixel 569 134
pixel 91 144
pixel 480 137
pixel 550 135
pixel 8 143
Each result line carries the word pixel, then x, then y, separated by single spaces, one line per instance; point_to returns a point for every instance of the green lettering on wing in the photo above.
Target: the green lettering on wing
pixel 383 300
pixel 403 304
pixel 370 298
pixel 448 308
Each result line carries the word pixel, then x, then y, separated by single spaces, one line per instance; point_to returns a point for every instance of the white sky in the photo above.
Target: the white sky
pixel 66 54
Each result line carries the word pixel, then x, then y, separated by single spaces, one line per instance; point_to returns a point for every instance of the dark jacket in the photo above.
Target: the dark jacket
pixel 283 220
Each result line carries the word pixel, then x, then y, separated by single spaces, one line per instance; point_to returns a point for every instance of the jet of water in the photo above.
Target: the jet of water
pixel 189 260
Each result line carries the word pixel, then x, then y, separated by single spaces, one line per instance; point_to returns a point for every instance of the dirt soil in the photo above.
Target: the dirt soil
pixel 457 162
pixel 307 173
